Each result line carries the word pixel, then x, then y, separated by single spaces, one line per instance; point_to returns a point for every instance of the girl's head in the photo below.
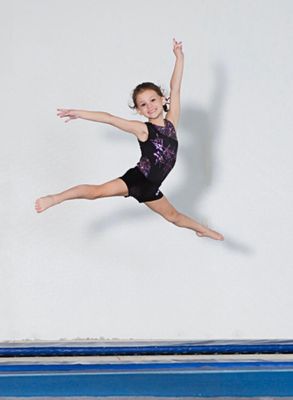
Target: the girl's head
pixel 148 98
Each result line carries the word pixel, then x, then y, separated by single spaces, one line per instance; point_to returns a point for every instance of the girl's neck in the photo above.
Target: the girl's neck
pixel 157 121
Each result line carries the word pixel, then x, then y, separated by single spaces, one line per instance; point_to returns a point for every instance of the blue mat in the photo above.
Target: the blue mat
pixel 182 376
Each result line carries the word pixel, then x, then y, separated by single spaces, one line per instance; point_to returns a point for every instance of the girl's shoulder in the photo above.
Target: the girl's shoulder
pixel 169 122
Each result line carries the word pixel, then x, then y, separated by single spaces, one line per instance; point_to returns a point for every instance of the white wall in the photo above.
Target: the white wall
pixel 110 268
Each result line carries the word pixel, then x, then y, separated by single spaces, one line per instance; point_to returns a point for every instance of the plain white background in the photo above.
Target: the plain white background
pixel 111 268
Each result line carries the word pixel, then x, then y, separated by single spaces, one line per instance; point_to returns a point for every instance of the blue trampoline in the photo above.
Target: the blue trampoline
pixel 210 369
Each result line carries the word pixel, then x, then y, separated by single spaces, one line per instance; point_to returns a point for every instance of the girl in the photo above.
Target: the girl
pixel 158 143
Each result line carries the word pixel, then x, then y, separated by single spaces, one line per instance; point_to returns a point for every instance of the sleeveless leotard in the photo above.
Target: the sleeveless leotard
pixel 158 152
pixel 158 157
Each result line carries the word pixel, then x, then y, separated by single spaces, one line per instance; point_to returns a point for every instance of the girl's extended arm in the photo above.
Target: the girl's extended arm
pixel 96 116
pixel 176 79
pixel 138 128
pixel 175 83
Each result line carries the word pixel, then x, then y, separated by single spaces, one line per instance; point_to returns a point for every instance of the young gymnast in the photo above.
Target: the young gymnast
pixel 158 143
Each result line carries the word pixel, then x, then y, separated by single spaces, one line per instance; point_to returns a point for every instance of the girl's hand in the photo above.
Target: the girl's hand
pixel 70 114
pixel 177 48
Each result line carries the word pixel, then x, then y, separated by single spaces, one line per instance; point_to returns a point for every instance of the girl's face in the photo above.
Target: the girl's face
pixel 149 103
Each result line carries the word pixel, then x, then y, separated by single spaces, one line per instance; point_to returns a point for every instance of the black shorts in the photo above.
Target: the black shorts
pixel 140 187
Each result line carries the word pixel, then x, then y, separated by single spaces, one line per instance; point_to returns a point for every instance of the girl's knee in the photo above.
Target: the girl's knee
pixel 173 217
pixel 93 192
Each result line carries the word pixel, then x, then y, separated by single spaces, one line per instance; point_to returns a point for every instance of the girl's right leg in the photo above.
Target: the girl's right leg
pixel 169 212
pixel 116 187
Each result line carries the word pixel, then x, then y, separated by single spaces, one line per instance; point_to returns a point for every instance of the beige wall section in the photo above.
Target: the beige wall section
pixel 111 269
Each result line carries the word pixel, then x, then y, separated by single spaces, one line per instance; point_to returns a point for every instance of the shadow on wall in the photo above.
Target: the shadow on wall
pixel 199 153
pixel 198 150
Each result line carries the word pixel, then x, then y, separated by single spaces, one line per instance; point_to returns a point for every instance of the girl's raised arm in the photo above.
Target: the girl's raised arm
pixel 138 128
pixel 175 84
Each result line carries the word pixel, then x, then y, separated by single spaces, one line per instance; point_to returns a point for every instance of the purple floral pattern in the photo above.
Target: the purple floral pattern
pixel 164 156
pixel 167 130
pixel 144 165
pixel 158 152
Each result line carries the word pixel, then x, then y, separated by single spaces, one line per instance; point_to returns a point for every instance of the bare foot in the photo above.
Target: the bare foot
pixel 44 202
pixel 211 234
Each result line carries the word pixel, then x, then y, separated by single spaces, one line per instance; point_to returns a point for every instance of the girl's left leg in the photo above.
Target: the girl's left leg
pixel 166 210
pixel 116 187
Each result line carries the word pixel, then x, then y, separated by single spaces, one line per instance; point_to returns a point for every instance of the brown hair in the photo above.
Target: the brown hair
pixel 145 86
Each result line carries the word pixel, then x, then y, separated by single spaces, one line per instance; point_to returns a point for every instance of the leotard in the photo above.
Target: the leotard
pixel 158 157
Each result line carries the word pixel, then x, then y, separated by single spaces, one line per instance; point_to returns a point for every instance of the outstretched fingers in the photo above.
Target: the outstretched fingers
pixel 177 47
pixel 64 112
pixel 176 43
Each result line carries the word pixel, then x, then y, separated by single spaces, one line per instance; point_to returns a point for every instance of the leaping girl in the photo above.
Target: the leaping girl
pixel 158 143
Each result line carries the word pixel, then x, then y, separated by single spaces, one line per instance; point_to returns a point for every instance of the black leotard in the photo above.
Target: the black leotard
pixel 158 152
pixel 158 157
